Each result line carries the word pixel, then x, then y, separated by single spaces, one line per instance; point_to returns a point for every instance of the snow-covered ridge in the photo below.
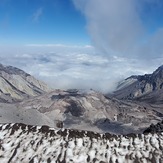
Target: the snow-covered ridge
pixel 24 143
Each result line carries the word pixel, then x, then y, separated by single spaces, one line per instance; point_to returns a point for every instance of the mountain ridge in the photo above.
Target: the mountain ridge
pixel 137 86
pixel 15 84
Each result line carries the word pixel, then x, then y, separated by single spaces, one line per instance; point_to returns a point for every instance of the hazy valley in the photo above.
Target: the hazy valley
pixel 129 109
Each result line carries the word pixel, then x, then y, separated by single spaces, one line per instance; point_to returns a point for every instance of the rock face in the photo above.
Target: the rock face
pixel 141 86
pixel 155 128
pixel 23 143
pixel 16 85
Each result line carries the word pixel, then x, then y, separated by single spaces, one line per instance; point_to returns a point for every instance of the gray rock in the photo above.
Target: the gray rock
pixel 16 85
pixel 146 87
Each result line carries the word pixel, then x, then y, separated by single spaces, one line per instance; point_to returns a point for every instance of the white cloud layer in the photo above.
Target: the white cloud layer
pixel 67 67
pixel 117 27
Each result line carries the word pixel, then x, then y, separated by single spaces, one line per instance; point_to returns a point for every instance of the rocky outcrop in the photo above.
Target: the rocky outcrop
pixel 155 128
pixel 23 143
pixel 140 86
pixel 16 85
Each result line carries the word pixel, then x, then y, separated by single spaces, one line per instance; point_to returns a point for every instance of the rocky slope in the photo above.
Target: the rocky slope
pixel 22 143
pixel 16 85
pixel 78 109
pixel 157 128
pixel 142 87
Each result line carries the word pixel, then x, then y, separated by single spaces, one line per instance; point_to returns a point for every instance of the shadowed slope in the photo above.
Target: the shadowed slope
pixel 142 87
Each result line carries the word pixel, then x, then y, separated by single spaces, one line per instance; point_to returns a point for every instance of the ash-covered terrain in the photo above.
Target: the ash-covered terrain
pixel 90 110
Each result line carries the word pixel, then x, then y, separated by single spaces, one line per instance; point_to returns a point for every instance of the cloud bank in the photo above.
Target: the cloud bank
pixel 66 67
pixel 124 28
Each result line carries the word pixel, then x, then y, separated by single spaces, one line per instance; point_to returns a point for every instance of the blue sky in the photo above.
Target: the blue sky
pixel 58 21
pixel 41 22
pixel 152 15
